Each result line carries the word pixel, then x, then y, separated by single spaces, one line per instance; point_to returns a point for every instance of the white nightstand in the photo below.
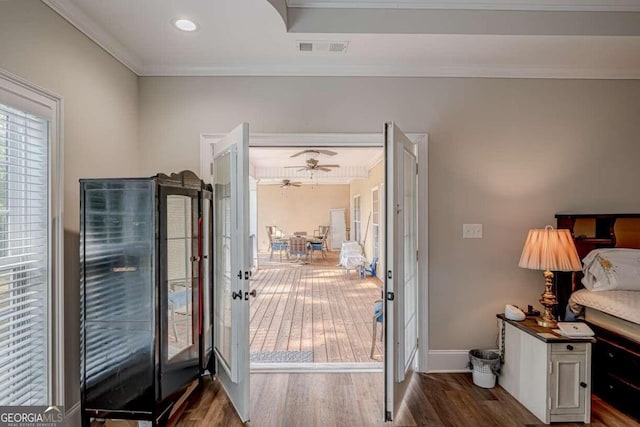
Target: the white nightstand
pixel 551 377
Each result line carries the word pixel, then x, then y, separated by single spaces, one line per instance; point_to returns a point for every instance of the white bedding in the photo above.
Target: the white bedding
pixel 622 304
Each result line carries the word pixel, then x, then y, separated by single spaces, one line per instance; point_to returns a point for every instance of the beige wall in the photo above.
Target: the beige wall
pixel 363 187
pixel 100 124
pixel 507 153
pixel 297 208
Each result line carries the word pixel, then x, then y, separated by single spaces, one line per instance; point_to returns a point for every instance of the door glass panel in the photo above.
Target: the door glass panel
pixel 410 236
pixel 179 274
pixel 206 260
pixel 222 249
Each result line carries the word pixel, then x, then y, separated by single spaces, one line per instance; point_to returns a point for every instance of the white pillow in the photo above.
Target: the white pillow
pixel 609 269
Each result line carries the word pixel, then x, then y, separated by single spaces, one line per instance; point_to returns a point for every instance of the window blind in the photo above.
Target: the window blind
pixel 24 254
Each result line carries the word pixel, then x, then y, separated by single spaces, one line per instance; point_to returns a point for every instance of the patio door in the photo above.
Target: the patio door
pixel 230 178
pixel 401 278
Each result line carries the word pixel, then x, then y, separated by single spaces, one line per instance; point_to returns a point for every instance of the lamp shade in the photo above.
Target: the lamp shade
pixel 550 250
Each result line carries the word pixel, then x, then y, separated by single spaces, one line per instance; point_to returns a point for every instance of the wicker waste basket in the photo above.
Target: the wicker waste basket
pixel 486 366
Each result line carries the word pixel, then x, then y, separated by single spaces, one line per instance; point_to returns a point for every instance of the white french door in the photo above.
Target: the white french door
pixel 230 179
pixel 401 278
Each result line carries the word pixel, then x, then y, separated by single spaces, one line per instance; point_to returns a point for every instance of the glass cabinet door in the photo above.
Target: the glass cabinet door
pixel 206 262
pixel 180 280
pixel 179 290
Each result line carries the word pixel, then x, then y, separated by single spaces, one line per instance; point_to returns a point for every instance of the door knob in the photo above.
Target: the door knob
pixel 253 293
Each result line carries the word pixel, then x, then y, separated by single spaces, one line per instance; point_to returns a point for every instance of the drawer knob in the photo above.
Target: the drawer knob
pixel 569 347
pixel 583 385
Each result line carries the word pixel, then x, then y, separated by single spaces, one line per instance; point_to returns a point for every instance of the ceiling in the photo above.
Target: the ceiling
pixel 534 38
pixel 268 164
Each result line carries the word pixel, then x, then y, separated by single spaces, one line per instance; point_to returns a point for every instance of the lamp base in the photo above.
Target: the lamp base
pixel 545 323
pixel 548 301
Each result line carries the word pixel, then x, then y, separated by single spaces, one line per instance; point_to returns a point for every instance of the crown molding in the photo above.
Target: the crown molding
pixel 90 28
pixel 519 5
pixel 488 71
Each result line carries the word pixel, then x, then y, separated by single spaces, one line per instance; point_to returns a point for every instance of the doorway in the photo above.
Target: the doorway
pixel 316 283
pixel 405 278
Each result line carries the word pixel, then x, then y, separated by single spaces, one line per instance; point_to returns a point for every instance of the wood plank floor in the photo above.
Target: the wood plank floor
pixel 356 400
pixel 313 307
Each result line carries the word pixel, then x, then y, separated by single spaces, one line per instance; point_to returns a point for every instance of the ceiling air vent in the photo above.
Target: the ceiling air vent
pixel 323 46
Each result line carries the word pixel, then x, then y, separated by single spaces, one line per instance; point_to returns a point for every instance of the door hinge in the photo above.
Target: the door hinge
pixel 416 169
pixel 389 275
pixel 211 168
pixel 417 256
pixel 236 295
pixel 390 296
pixel 387 416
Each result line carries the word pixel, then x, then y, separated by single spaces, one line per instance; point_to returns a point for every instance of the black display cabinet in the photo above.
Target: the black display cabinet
pixel 146 293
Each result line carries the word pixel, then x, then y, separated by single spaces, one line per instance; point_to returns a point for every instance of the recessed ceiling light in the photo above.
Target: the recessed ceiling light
pixel 185 24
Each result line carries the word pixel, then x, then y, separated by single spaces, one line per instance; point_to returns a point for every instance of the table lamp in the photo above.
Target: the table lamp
pixel 549 250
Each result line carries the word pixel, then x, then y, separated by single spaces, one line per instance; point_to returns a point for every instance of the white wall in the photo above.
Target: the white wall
pixel 303 208
pixel 507 153
pixel 100 99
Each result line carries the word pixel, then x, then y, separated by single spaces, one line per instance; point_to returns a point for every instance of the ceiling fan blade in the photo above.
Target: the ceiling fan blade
pixel 327 152
pixel 324 169
pixel 303 169
pixel 328 166
pixel 296 184
pixel 314 151
pixel 293 167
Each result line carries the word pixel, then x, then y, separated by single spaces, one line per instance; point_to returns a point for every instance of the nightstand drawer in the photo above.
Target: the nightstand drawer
pixel 579 347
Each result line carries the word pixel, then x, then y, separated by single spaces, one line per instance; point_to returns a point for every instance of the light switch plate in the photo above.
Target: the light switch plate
pixel 472 231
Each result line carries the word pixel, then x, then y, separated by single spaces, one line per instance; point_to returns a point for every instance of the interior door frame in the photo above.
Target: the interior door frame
pixel 347 140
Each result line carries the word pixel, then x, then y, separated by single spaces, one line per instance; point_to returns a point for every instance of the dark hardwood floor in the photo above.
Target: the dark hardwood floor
pixel 356 400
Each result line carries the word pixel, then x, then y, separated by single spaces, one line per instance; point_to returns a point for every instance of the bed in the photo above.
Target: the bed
pixel 614 314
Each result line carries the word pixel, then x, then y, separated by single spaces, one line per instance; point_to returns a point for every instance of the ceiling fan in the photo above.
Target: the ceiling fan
pixel 316 151
pixel 287 183
pixel 313 165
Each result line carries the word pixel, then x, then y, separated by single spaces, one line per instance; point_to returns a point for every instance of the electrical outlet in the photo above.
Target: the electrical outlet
pixel 472 231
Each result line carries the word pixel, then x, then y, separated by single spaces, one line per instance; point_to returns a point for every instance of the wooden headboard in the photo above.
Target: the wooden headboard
pixel 591 231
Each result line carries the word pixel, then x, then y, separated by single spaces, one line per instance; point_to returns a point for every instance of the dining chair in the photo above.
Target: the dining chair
pixel 322 230
pixel 320 244
pixel 298 246
pixel 276 244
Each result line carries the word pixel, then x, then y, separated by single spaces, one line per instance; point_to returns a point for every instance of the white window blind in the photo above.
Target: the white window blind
pixel 24 255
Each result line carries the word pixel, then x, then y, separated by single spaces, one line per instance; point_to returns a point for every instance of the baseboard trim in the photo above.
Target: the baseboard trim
pixel 445 361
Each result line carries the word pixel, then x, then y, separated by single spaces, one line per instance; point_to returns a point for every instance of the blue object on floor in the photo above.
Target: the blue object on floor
pixel 377 309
